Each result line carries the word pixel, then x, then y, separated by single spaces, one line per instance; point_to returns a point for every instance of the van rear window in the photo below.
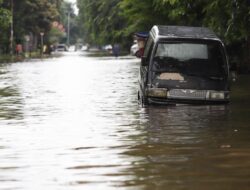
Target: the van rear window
pixel 182 51
pixel 204 58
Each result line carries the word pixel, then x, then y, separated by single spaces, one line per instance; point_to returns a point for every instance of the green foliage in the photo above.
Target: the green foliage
pixel 230 19
pixel 232 22
pixel 29 17
pixel 67 14
pixel 65 9
pixel 36 15
pixel 5 17
pixel 100 17
pixel 55 35
pixel 140 15
pixel 102 22
pixel 113 20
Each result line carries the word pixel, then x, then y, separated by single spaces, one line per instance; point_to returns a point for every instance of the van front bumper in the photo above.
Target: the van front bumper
pixel 163 95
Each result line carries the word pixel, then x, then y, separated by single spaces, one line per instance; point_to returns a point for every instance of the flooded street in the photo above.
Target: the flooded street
pixel 74 123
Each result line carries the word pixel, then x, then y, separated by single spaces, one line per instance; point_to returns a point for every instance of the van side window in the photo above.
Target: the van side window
pixel 148 48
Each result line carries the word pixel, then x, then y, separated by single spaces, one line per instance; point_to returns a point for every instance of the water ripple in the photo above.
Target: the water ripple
pixel 74 122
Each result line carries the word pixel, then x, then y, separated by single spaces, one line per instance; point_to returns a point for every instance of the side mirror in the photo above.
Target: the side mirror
pixel 144 61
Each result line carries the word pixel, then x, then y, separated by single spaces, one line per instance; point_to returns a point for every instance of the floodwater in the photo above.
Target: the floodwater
pixel 74 123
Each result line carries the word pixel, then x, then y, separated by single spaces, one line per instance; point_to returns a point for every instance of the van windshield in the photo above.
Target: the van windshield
pixel 199 59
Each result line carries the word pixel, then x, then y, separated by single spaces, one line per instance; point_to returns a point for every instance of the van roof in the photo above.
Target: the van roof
pixel 165 32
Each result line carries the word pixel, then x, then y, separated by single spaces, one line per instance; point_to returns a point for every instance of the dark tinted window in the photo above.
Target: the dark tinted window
pixel 148 48
pixel 205 58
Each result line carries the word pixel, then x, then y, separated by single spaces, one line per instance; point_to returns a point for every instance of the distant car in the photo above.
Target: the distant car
pixel 84 48
pixel 134 48
pixel 72 48
pixel 108 47
pixel 61 47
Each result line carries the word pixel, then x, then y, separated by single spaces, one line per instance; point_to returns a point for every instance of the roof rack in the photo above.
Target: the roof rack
pixel 183 32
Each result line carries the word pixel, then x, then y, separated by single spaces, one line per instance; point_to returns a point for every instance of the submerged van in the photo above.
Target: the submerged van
pixel 183 65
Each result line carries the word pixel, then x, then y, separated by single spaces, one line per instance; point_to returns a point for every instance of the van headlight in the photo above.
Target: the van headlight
pixel 157 92
pixel 217 95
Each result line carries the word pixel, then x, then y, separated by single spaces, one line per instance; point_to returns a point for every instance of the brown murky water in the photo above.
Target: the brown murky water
pixel 74 123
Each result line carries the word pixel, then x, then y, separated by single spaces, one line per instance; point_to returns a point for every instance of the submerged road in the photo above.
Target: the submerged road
pixel 74 123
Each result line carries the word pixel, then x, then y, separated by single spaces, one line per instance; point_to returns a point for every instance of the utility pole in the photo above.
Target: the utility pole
pixel 11 28
pixel 68 30
pixel 41 34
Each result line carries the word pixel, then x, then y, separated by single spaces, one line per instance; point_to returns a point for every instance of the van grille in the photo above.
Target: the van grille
pixel 187 94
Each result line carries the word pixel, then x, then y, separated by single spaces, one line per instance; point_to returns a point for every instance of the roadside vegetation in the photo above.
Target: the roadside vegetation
pixel 115 21
pixel 36 23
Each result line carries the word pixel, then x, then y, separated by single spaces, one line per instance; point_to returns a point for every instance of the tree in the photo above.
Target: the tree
pixel 69 19
pixel 29 17
pixel 119 19
pixel 56 33
pixel 102 21
pixel 232 24
pixel 36 15
pixel 5 17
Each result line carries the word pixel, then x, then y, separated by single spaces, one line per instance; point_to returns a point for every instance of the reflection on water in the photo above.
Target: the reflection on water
pixel 74 123
pixel 10 101
pixel 188 147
